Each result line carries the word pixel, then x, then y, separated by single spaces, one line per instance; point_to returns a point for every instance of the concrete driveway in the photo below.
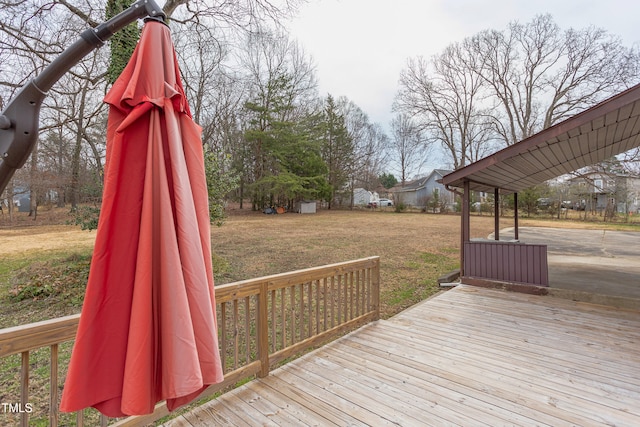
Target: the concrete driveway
pixel 594 261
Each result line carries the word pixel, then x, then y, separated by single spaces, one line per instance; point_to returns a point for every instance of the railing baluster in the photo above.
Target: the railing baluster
pixel 247 320
pixel 369 285
pixel 53 386
pixel 339 299
pixel 351 297
pixel 375 283
pixel 274 336
pixel 333 290
pixel 345 296
pixel 357 301
pixel 235 334
pixel 223 333
pixel 310 311
pixel 345 314
pixel 262 342
pixel 317 310
pixel 365 290
pixel 362 286
pixel 301 336
pixel 284 316
pixel 324 303
pixel 24 389
pixel 292 294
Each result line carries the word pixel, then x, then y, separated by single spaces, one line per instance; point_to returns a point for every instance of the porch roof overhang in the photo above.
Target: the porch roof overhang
pixel 605 130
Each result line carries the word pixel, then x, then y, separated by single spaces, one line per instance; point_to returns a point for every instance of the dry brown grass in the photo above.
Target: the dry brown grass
pixel 31 240
pixel 415 248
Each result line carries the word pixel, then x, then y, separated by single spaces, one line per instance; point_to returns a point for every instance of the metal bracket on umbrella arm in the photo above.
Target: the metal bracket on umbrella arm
pixel 19 121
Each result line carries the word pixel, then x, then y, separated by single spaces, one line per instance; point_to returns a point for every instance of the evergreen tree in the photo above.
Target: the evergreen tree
pixel 285 156
pixel 528 199
pixel 337 148
pixel 387 180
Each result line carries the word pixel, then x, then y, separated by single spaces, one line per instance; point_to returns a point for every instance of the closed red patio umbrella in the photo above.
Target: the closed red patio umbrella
pixel 148 328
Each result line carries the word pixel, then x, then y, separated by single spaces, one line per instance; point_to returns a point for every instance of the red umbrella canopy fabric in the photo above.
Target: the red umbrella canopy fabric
pixel 148 328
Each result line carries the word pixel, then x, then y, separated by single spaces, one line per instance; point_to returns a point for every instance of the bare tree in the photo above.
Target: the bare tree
pixel 77 110
pixel 369 145
pixel 214 90
pixel 540 75
pixel 270 57
pixel 445 97
pixel 236 15
pixel 408 145
pixel 504 86
pixel 37 33
pixel 631 161
pixel 32 34
pixel 216 94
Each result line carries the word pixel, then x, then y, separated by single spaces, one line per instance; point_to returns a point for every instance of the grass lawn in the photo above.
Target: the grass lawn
pixel 415 249
pixel 44 264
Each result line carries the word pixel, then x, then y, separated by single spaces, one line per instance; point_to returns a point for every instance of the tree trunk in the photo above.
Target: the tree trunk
pixel 10 195
pixel 33 193
pixel 75 161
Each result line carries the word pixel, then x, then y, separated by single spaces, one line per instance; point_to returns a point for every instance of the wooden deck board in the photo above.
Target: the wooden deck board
pixel 500 373
pixel 546 342
pixel 553 369
pixel 470 356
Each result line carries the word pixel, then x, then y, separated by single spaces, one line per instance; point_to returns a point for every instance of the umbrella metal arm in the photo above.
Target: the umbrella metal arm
pixel 19 121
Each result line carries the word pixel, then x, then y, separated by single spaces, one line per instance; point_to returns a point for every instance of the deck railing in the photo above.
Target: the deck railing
pixel 261 323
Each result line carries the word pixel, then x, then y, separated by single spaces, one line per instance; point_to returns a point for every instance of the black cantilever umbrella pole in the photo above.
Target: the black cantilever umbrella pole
pixel 19 120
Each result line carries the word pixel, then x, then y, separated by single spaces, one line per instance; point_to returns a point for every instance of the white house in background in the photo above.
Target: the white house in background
pixel 425 192
pixel 599 191
pixel 362 197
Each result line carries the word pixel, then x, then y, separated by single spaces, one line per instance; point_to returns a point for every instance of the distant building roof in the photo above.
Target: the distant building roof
pixel 418 183
pixel 408 186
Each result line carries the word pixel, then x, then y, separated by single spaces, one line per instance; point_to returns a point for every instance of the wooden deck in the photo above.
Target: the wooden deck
pixel 470 356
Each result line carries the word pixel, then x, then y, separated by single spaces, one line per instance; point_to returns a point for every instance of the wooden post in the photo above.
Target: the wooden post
pixel 515 216
pixel 496 213
pixel 466 220
pixel 375 284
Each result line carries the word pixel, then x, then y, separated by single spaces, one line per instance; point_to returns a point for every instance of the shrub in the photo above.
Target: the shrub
pixel 400 207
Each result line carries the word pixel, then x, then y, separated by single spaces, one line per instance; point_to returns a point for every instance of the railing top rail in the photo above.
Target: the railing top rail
pixel 351 265
pixel 28 337
pixel 39 334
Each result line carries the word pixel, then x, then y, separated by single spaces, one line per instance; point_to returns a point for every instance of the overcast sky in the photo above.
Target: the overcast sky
pixel 359 47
